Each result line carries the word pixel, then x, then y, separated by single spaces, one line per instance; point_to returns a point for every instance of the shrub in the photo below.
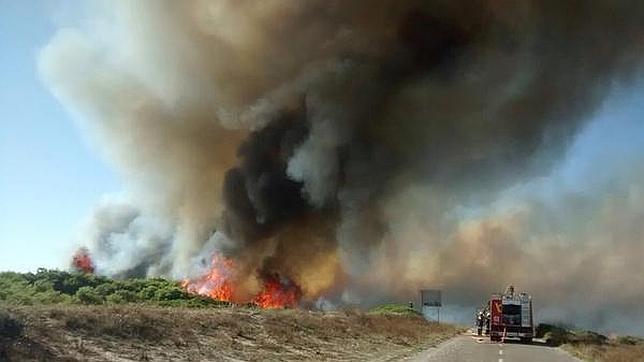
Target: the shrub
pixel 588 337
pixel 172 293
pixel 43 285
pixel 148 293
pixel 106 289
pixel 51 297
pixel 114 299
pixel 88 295
pixel 554 335
pixel 127 296
pixel 61 287
pixel 394 309
pixel 630 340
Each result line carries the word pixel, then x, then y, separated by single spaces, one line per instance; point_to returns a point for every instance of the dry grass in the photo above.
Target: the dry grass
pixel 613 352
pixel 131 333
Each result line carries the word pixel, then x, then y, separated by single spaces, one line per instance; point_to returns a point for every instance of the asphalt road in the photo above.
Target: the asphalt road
pixel 470 348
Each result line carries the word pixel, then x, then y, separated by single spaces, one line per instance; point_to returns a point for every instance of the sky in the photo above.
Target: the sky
pixel 51 176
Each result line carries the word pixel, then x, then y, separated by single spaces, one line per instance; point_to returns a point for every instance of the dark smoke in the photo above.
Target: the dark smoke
pixel 433 106
pixel 258 194
pixel 296 129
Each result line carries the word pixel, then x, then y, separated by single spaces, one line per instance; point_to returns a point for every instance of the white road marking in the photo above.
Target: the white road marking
pixel 500 359
pixel 500 352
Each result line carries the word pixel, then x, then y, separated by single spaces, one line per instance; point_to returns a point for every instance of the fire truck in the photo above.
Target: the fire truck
pixel 511 316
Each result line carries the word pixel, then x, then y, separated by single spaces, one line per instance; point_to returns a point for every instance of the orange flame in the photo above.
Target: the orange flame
pixel 82 261
pixel 217 284
pixel 277 294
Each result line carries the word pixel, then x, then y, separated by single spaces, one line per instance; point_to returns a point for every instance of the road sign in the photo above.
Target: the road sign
pixel 430 298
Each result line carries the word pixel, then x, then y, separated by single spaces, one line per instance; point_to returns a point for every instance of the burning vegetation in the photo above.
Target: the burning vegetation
pixel 218 284
pixel 82 261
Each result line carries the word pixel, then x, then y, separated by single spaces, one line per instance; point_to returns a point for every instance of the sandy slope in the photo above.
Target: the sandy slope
pixel 134 333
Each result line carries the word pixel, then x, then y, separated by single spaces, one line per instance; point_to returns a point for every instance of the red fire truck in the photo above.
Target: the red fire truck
pixel 511 316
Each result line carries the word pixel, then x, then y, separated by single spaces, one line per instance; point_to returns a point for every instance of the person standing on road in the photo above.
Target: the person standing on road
pixel 479 322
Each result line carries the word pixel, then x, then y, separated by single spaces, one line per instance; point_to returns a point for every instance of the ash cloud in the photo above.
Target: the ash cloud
pixel 267 119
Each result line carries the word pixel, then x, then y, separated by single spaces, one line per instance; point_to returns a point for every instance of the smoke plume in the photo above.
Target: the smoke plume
pixel 334 142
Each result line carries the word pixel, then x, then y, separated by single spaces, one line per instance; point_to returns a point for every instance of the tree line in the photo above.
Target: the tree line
pixel 63 287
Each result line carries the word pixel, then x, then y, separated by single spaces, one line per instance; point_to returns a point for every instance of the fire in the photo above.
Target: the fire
pixel 217 284
pixel 278 294
pixel 82 261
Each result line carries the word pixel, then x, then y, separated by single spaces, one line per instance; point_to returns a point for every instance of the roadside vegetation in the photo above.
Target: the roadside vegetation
pixel 47 287
pixel 591 346
pixel 394 309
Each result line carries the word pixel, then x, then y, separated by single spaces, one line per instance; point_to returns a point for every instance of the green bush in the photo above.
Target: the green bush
pixel 394 309
pixel 106 289
pixel 630 340
pixel 148 293
pixel 51 297
pixel 61 287
pixel 43 285
pixel 115 299
pixel 170 293
pixel 88 295
pixel 588 337
pixel 556 335
pixel 553 334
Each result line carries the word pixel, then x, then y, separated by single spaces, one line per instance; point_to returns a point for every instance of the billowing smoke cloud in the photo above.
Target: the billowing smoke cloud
pixel 292 134
pixel 577 254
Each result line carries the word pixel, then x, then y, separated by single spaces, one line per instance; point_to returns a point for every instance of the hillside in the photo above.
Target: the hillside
pixel 138 333
pixel 61 316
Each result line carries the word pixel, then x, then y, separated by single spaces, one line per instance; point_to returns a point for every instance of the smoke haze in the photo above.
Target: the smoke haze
pixel 338 143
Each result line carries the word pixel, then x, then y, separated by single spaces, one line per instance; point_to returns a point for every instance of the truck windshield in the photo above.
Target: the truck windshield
pixel 509 309
pixel 511 315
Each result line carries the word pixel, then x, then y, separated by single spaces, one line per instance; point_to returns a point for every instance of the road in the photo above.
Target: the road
pixel 470 348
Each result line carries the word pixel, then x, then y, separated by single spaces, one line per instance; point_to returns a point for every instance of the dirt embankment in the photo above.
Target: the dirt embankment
pixel 132 333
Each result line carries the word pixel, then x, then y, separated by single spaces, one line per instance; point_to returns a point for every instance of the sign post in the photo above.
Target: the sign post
pixel 431 298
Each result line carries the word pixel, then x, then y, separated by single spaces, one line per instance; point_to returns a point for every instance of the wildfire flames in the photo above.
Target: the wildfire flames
pixel 82 261
pixel 277 292
pixel 217 284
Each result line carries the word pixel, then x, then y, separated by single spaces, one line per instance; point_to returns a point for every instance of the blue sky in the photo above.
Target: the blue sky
pixel 50 178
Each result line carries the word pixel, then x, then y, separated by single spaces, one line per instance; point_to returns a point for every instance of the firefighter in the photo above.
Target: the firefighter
pixel 488 316
pixel 479 322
